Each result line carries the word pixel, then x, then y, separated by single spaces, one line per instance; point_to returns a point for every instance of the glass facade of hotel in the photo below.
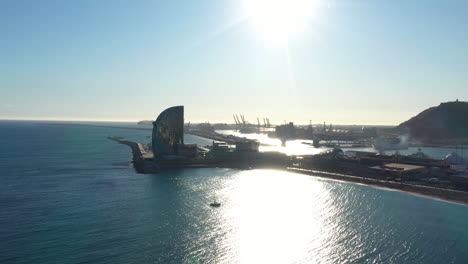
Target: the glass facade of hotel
pixel 168 131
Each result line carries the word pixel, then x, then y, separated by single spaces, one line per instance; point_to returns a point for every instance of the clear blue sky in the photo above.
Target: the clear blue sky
pixel 358 62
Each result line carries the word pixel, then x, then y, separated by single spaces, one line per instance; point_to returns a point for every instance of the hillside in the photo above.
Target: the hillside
pixel 446 121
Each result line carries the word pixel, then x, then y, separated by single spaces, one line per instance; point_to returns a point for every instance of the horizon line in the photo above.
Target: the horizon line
pixel 197 122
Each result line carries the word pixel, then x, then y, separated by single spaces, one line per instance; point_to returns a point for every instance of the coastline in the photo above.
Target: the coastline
pixel 447 195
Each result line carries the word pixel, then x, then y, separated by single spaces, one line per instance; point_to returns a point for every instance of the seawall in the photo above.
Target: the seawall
pixel 443 194
pixel 138 151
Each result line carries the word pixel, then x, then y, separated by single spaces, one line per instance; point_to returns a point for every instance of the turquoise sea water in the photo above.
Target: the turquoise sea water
pixel 69 195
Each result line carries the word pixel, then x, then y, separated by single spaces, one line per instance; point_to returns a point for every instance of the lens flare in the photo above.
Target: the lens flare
pixel 279 20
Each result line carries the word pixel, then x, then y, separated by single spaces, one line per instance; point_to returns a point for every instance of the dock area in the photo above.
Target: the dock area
pixel 144 163
pixel 230 139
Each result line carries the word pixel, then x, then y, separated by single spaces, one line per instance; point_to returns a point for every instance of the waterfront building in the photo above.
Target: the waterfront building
pixel 286 131
pixel 168 132
pixel 245 154
pixel 247 145
pixel 400 170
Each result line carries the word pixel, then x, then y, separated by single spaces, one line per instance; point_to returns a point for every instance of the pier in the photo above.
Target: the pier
pixel 215 136
pixel 140 157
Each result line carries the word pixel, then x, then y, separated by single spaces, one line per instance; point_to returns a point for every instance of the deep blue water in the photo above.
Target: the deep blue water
pixel 69 195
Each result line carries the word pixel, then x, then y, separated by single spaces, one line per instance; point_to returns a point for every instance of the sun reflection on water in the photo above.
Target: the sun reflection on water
pixel 275 221
pixel 292 147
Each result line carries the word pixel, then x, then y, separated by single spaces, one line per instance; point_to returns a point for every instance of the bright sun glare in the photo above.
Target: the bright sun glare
pixel 279 20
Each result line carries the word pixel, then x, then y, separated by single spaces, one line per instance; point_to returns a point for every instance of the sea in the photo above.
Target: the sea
pixel 70 195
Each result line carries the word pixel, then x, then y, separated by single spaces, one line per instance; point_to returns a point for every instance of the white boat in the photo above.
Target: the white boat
pixel 215 204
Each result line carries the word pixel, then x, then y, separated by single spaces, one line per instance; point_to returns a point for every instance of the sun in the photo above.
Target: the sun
pixel 279 20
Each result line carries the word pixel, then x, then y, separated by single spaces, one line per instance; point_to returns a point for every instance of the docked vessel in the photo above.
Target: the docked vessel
pixel 396 143
pixel 419 155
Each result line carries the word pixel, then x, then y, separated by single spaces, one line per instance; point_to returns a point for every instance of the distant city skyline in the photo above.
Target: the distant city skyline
pixel 343 62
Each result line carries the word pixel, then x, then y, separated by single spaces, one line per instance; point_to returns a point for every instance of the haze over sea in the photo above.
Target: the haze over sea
pixel 69 195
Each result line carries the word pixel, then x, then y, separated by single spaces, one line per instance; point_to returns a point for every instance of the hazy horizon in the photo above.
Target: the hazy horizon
pixel 342 62
pixel 193 122
pixel 252 120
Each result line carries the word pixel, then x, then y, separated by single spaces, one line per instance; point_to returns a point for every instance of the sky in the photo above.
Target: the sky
pixel 339 61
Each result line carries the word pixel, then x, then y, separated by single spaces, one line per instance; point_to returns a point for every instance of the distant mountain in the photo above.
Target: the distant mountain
pixel 446 121
pixel 145 123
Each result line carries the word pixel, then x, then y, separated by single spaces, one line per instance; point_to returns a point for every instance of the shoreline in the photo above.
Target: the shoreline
pixel 447 195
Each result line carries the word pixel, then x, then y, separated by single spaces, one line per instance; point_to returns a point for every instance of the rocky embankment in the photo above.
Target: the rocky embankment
pixel 139 163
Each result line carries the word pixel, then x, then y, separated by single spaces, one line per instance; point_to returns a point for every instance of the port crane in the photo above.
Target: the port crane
pixel 266 122
pixel 236 121
pixel 242 124
pixel 240 121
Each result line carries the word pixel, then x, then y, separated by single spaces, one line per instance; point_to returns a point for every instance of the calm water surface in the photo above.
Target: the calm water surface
pixel 68 195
